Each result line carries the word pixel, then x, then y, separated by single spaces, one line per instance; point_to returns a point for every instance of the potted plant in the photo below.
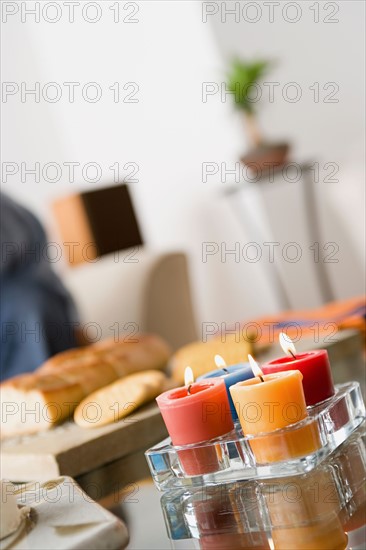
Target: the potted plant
pixel 243 82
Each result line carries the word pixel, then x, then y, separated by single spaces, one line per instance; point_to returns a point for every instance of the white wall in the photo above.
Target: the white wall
pixel 170 131
pixel 306 52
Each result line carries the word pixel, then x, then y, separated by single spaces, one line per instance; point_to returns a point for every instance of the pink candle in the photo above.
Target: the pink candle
pixel 194 414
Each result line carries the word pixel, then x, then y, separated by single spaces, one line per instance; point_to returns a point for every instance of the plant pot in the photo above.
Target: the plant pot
pixel 266 157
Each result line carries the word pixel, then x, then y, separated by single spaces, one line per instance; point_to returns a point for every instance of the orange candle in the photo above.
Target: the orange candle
pixel 267 403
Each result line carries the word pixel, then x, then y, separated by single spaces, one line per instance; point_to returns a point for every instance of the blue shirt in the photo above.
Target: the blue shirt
pixel 38 316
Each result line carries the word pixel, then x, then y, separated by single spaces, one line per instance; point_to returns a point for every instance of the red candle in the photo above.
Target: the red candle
pixel 314 366
pixel 195 414
pixel 220 522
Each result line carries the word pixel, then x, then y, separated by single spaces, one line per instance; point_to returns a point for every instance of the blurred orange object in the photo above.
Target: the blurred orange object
pixel 97 222
pixel 324 321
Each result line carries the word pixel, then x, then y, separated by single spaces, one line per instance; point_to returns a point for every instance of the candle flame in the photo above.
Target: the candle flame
pixel 287 345
pixel 188 376
pixel 254 366
pixel 220 362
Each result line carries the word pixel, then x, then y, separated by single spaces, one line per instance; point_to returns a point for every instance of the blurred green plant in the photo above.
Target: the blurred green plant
pixel 243 81
pixel 243 78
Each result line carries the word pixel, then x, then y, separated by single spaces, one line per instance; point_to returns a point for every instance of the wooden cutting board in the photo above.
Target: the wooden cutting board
pixel 70 450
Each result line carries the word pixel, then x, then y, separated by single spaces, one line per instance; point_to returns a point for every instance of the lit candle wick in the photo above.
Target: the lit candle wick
pixel 255 368
pixel 225 370
pixel 287 345
pixel 188 379
pixel 220 362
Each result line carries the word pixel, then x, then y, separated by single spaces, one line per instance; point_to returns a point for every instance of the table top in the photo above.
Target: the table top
pixel 71 450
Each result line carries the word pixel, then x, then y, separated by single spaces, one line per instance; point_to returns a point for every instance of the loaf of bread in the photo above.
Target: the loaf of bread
pixel 200 356
pixel 69 357
pixel 54 390
pixel 127 357
pixel 116 401
pixel 148 352
pixel 34 402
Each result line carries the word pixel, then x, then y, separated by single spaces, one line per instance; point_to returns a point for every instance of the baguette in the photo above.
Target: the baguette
pixel 91 375
pixel 148 352
pixel 53 395
pixel 67 358
pixel 123 397
pixel 57 387
pixel 31 403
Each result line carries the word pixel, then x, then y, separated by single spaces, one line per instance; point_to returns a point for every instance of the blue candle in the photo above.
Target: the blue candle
pixel 231 375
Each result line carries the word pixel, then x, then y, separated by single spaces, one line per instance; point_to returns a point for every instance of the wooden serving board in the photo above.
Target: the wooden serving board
pixel 70 450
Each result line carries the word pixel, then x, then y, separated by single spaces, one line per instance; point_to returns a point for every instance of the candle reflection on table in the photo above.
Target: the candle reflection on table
pixel 228 519
pixel 304 511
